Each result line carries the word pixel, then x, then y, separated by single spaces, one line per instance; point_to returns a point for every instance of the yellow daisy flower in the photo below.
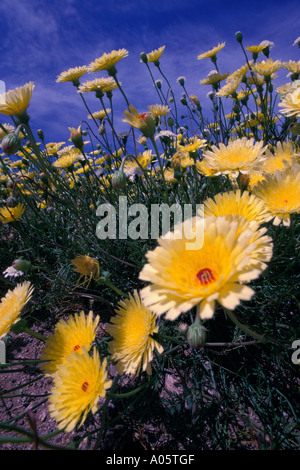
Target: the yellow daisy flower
pixel 154 56
pixel 239 203
pixel 11 214
pixel 72 335
pixel 15 102
pixel 137 166
pixel 182 278
pixel 99 114
pixel 144 122
pixel 72 75
pixel 238 156
pixel 169 175
pixel 54 147
pixel 181 160
pixel 229 88
pixel 212 53
pixel 193 144
pixel 87 267
pixel 281 194
pixel 68 159
pixel 8 127
pixel 103 84
pixel 78 385
pixel 159 109
pixel 292 66
pixel 108 61
pixel 284 156
pixel 205 170
pixel 266 67
pixel 290 104
pixel 214 77
pixel 12 304
pixel 255 49
pixel 132 328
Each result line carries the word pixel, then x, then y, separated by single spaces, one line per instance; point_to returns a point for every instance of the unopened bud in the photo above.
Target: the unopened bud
pixel 239 36
pixel 76 137
pixel 144 57
pixel 22 264
pixel 40 134
pixel 119 179
pixel 11 143
pixel 196 335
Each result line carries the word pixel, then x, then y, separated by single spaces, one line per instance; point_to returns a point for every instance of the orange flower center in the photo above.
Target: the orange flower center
pixel 143 116
pixel 77 347
pixel 85 386
pixel 205 276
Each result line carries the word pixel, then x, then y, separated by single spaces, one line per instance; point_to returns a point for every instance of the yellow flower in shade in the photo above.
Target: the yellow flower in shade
pixel 78 386
pixel 137 166
pixel 11 214
pixel 144 122
pixel 132 328
pixel 99 114
pixel 255 49
pixel 229 88
pixel 281 194
pixel 12 304
pixel 181 160
pixel 15 102
pixel 216 270
pixel 159 109
pixel 284 156
pixel 72 335
pixel 87 267
pixel 108 61
pixel 8 127
pixel 290 104
pixel 155 55
pixel 103 85
pixel 238 156
pixel 212 53
pixel 239 74
pixel 54 147
pixel 192 145
pixel 239 203
pixel 72 75
pixel 205 170
pixel 266 67
pixel 169 175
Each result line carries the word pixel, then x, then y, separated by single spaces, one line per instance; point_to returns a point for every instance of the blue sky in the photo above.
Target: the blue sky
pixel 40 39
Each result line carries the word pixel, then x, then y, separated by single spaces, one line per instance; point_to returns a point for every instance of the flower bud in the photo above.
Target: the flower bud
pixel 119 179
pixel 11 143
pixel 144 57
pixel 147 124
pixel 40 134
pixel 76 137
pixel 22 264
pixel 239 36
pixel 196 335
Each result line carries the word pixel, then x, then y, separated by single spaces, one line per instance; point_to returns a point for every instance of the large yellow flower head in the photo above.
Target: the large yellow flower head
pixel 72 75
pixel 155 55
pixel 12 304
pixel 78 385
pixel 72 335
pixel 238 156
pixel 11 214
pixel 15 102
pixel 284 156
pixel 108 61
pixel 290 104
pixel 132 329
pixel 281 194
pixel 237 203
pixel 211 53
pixel 87 267
pixel 183 276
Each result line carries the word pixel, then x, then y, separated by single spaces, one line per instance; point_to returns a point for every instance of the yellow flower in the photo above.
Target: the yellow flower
pixel 205 170
pixel 108 61
pixel 214 77
pixel 237 203
pixel 11 214
pixel 181 160
pixel 256 49
pixel 292 66
pixel 53 147
pixel 78 385
pixel 144 122
pixel 290 104
pixel 9 128
pixel 103 84
pixel 132 331
pixel 284 156
pixel 15 102
pixel 159 109
pixel 229 88
pixel 68 159
pixel 169 175
pixel 192 145
pixel 183 276
pixel 87 267
pixel 154 56
pixel 266 67
pixel 238 156
pixel 72 335
pixel 281 194
pixel 137 166
pixel 99 114
pixel 12 304
pixel 72 75
pixel 212 52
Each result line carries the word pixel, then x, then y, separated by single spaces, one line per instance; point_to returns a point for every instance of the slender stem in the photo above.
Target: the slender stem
pixel 243 327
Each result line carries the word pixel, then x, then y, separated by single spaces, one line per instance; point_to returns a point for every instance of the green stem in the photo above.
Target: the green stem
pixel 34 333
pixel 243 327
